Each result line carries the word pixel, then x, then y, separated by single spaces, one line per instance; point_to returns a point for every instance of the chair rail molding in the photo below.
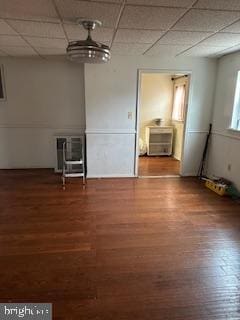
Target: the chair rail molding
pixel 110 131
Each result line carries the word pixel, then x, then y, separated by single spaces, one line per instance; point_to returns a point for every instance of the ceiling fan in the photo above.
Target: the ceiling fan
pixel 88 51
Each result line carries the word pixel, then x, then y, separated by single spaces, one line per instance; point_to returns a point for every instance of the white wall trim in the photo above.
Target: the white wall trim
pixel 130 131
pixel 39 126
pixel 177 158
pixel 105 176
pixel 162 70
pixel 225 135
pixel 110 131
pixel 189 174
pixel 197 132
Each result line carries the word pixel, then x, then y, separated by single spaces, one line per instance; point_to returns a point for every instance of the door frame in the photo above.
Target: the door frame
pixel 138 111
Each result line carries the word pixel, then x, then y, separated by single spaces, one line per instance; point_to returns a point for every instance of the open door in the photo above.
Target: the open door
pixel 162 109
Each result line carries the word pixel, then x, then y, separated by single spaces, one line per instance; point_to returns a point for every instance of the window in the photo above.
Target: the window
pixel 179 102
pixel 2 92
pixel 236 107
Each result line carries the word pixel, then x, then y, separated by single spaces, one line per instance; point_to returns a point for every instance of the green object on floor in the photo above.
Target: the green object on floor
pixel 233 192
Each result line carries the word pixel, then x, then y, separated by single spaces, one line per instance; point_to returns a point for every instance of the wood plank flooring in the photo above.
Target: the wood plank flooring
pixel 122 249
pixel 158 166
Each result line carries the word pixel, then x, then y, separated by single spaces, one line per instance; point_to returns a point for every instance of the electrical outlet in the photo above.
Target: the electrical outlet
pixel 130 115
pixel 229 167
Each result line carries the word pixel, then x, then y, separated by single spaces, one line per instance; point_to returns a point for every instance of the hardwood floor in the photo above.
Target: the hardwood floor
pixel 159 249
pixel 158 166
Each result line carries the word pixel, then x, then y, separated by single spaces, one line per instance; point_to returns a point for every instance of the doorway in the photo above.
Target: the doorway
pixel 162 109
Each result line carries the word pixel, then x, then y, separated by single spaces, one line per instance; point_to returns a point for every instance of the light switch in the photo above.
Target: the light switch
pixel 130 115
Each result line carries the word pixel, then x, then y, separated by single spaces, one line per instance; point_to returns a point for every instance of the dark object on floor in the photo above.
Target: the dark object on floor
pixel 203 161
pixel 233 192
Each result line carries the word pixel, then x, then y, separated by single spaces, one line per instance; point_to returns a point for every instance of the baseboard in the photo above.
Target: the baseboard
pixel 106 176
pixel 189 174
pixel 170 176
pixel 176 158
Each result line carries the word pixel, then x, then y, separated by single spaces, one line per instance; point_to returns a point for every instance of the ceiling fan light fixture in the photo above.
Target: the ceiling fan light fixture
pixel 88 51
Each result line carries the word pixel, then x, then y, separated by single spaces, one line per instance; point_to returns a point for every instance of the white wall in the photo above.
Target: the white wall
pixel 156 99
pixel 225 144
pixel 111 93
pixel 43 98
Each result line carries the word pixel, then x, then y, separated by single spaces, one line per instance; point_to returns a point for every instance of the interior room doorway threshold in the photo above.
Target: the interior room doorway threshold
pixel 162 177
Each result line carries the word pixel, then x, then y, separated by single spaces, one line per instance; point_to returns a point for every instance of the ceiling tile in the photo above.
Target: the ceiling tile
pixel 206 20
pixel 137 36
pixel 28 9
pixel 234 28
pixel 107 13
pixel 12 41
pixel 222 40
pixel 149 17
pixel 129 48
pixel 164 3
pixel 51 51
pixel 5 28
pixel 3 54
pixel 47 42
pixel 218 4
pixel 19 51
pixel 183 37
pixel 203 51
pixel 76 32
pixel 169 50
pixel 39 29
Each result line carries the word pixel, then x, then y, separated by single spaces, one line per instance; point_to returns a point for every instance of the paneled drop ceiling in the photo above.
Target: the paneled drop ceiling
pixel 205 28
